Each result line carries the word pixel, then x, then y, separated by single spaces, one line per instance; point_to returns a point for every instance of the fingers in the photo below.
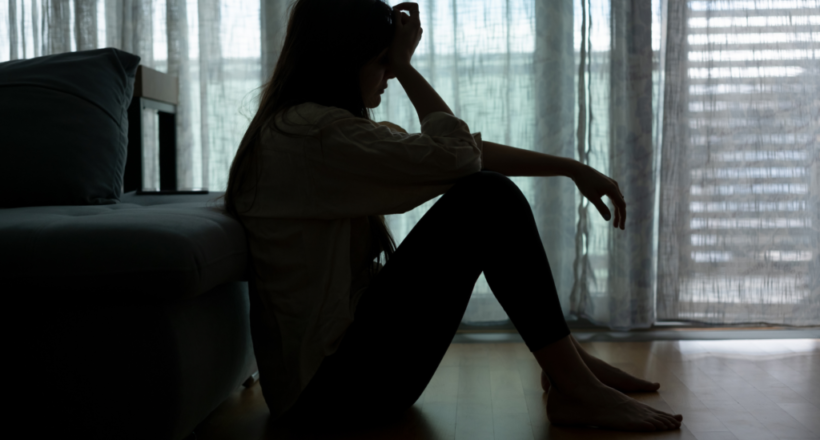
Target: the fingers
pixel 623 206
pixel 622 210
pixel 402 20
pixel 601 207
pixel 407 6
pixel 407 32
pixel 620 215
pixel 412 8
pixel 620 207
pixel 594 186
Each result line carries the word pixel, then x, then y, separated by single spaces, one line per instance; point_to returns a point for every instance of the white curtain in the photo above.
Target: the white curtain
pixel 740 187
pixel 705 112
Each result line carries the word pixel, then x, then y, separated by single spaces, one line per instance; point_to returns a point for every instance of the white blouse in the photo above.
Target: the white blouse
pixel 298 222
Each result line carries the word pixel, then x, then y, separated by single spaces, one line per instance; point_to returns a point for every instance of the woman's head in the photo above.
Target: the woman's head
pixel 332 50
pixel 334 54
pixel 373 78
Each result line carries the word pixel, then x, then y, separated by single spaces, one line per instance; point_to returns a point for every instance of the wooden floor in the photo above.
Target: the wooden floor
pixel 738 390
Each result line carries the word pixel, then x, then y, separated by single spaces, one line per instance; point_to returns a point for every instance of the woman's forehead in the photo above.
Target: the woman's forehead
pixel 375 60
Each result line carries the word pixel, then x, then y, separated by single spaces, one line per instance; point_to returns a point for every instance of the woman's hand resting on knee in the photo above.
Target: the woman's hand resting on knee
pixel 594 185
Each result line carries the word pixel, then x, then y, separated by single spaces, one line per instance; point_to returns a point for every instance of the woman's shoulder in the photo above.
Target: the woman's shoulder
pixel 325 115
pixel 310 116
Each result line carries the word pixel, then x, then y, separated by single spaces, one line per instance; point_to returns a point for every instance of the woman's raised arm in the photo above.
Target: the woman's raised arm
pixel 408 33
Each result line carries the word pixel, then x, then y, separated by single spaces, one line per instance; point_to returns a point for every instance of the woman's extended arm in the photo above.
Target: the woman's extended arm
pixel 512 161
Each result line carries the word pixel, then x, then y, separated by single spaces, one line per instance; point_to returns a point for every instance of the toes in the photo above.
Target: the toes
pixel 649 386
pixel 664 425
pixel 676 421
pixel 676 417
pixel 658 423
pixel 667 423
pixel 666 414
pixel 673 421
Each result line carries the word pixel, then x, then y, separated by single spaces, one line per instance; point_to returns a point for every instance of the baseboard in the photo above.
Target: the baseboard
pixel 677 334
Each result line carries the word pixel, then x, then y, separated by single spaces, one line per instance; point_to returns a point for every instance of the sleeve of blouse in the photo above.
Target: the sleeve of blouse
pixel 363 168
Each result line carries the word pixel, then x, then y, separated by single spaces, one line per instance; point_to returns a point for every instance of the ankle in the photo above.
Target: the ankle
pixel 577 388
pixel 565 367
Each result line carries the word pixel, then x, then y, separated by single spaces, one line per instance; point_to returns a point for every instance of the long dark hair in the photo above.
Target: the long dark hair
pixel 326 45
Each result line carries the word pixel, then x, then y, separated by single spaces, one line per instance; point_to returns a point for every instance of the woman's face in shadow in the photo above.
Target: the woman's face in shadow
pixel 373 79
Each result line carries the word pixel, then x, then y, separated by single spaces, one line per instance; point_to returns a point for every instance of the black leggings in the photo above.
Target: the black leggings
pixel 407 318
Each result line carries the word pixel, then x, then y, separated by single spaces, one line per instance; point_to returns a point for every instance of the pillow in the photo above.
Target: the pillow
pixel 64 128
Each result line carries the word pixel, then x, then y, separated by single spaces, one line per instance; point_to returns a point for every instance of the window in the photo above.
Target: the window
pixel 751 140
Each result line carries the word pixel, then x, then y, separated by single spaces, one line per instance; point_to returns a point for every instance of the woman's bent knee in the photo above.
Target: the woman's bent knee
pixel 490 187
pixel 486 180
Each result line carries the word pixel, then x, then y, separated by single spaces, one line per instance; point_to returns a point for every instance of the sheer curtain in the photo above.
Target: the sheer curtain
pixel 705 112
pixel 740 187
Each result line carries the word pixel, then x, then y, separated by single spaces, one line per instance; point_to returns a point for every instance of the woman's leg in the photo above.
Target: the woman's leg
pixel 517 270
pixel 407 318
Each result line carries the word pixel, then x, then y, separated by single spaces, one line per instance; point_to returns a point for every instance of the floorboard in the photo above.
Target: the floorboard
pixel 725 389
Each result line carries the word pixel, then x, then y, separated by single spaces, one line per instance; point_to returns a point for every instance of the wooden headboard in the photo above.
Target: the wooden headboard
pixel 153 84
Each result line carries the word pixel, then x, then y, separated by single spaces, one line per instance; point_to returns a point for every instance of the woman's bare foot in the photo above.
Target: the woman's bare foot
pixel 611 377
pixel 607 374
pixel 605 407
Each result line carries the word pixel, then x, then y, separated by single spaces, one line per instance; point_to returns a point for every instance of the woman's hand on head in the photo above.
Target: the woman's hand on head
pixel 408 33
pixel 594 185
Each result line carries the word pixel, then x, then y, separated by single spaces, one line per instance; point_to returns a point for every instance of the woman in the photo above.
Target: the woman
pixel 341 339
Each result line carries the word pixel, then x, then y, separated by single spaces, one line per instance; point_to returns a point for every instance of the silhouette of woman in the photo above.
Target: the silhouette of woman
pixel 342 340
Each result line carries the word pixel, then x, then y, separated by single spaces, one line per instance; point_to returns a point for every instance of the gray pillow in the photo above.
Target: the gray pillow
pixel 64 128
